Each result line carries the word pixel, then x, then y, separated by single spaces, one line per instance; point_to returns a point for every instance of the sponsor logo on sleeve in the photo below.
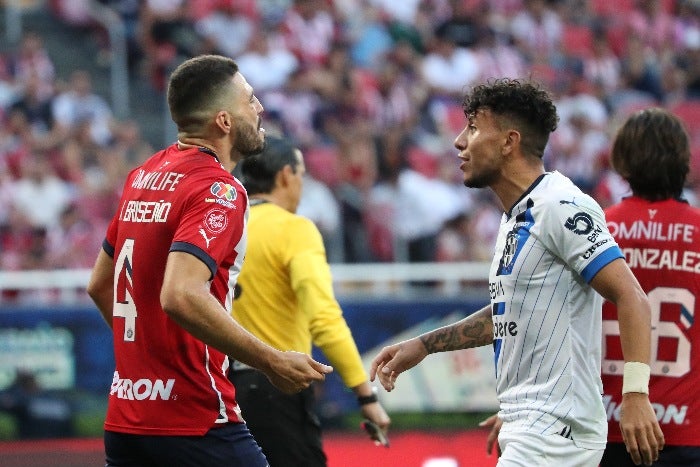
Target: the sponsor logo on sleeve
pixel 223 191
pixel 215 221
pixel 224 194
pixel 580 223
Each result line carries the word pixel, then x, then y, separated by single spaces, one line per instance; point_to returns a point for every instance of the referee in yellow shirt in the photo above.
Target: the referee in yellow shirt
pixel 286 299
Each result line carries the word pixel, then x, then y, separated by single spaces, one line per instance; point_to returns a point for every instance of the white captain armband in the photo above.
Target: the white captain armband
pixel 636 378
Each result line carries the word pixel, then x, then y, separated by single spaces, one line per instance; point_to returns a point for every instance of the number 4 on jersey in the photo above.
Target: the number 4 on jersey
pixel 124 306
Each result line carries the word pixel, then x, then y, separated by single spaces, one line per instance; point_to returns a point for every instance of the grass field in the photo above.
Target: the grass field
pixel 87 422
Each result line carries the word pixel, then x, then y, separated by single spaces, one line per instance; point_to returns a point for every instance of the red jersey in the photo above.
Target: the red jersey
pixel 661 243
pixel 166 381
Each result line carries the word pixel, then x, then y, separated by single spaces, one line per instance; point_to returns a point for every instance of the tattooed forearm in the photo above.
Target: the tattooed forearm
pixel 473 331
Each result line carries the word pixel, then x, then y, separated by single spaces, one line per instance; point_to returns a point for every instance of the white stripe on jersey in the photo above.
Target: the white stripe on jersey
pixel 547 319
pixel 223 415
pixel 235 269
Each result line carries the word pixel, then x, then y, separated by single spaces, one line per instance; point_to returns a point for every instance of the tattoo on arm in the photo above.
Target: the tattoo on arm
pixel 473 331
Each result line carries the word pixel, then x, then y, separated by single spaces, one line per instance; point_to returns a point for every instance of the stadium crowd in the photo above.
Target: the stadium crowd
pixel 368 89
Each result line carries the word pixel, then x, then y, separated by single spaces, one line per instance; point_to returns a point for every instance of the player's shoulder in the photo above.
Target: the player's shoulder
pixel 302 223
pixel 559 193
pixel 272 214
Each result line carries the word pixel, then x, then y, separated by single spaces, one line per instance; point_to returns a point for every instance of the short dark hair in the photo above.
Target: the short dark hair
pixel 195 86
pixel 524 104
pixel 257 173
pixel 652 152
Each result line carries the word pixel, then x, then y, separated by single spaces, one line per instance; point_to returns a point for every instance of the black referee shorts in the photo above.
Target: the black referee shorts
pixel 285 425
pixel 230 445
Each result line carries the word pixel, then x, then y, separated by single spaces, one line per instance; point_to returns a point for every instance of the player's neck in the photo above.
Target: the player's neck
pixel 273 198
pixel 208 146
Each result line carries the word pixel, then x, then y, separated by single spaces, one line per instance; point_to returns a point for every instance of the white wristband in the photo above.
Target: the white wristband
pixel 636 378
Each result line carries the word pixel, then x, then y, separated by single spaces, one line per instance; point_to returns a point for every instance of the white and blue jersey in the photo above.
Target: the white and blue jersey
pixel 546 316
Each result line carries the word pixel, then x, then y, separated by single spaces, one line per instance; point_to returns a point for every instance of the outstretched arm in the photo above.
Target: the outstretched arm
pixel 473 331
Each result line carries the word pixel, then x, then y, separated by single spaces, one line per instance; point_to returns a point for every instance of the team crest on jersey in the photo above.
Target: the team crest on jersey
pixel 510 249
pixel 215 220
pixel 223 191
pixel 580 223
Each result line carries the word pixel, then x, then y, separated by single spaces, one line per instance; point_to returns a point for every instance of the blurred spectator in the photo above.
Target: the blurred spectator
pixel 466 22
pixel 652 23
pixel 79 106
pixel 448 68
pixel 73 241
pixel 454 242
pixel 688 61
pixel 357 84
pixel 641 68
pixel 74 12
pixel 498 58
pixel 32 63
pixel 602 67
pixel 129 12
pixel 294 109
pixel 37 112
pixel 369 35
pixel 266 63
pixel 15 141
pixel 537 30
pixel 403 12
pixel 412 209
pixel 580 138
pixel 167 36
pixel 226 20
pixel 309 31
pixel 39 196
pixel 319 204
pixel 686 22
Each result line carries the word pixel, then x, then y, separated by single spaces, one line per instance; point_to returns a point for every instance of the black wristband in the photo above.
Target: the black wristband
pixel 364 400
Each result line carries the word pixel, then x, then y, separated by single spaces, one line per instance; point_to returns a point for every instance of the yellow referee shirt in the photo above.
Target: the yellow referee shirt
pixel 287 297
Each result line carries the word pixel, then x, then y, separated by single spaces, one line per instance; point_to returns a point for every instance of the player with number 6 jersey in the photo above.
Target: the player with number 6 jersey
pixel 659 234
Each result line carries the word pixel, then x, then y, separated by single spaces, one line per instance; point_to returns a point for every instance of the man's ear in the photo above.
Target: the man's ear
pixel 284 176
pixel 224 121
pixel 512 141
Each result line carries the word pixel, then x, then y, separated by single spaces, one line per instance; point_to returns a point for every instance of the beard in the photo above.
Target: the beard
pixel 248 140
pixel 481 180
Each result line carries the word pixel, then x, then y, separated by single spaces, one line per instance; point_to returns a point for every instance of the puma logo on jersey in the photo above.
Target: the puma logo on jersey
pixel 206 239
pixel 573 201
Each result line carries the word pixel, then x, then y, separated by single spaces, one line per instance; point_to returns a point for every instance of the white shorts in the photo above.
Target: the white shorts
pixel 530 449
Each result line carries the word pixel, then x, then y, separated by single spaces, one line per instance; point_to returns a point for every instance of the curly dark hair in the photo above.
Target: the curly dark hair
pixel 523 105
pixel 652 152
pixel 196 86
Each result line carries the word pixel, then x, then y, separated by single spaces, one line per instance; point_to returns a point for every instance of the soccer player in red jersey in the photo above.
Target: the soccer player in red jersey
pixel 659 234
pixel 164 283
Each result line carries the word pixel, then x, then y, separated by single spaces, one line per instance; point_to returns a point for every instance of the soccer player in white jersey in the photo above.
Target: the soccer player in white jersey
pixel 554 262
